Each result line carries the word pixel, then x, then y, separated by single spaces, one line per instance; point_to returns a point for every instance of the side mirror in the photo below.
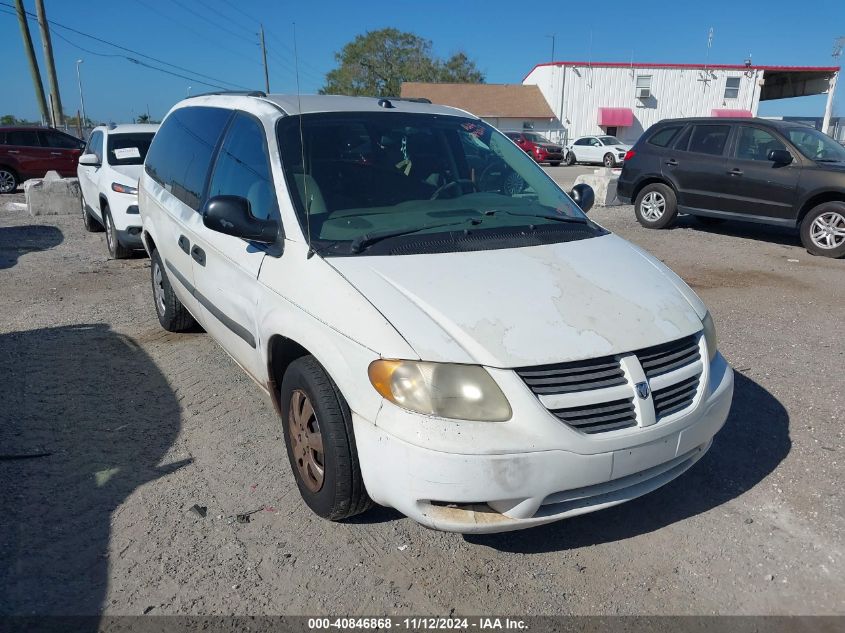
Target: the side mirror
pixel 89 160
pixel 231 215
pixel 583 196
pixel 780 156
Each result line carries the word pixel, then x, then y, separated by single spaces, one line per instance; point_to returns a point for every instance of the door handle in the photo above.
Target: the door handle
pixel 672 162
pixel 735 172
pixel 14 151
pixel 55 153
pixel 198 254
pixel 184 244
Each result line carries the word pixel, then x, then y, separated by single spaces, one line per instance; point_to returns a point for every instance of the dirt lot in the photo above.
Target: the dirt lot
pixel 139 425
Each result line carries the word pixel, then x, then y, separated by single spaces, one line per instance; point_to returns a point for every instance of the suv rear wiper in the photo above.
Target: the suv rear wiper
pixel 366 240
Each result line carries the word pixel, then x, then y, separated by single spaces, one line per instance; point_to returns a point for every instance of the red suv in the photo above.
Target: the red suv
pixel 30 152
pixel 539 148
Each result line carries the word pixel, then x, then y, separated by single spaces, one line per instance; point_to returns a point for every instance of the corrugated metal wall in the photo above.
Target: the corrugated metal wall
pixel 575 93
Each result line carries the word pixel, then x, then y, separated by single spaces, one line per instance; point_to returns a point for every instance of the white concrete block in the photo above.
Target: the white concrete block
pixel 603 181
pixel 52 195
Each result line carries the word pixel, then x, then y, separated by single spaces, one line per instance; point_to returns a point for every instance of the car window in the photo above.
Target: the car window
pixel 610 140
pixel 663 137
pixel 243 167
pixel 815 145
pixel 181 152
pixel 709 139
pixel 128 148
pixel 595 142
pixel 95 145
pixel 24 138
pixel 683 139
pixel 752 143
pixel 60 141
pixel 582 141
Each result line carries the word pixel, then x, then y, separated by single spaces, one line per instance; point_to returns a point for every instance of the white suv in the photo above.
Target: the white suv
pixel 108 174
pixel 479 356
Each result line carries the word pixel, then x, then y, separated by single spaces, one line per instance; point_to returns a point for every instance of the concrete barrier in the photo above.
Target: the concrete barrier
pixel 603 181
pixel 52 195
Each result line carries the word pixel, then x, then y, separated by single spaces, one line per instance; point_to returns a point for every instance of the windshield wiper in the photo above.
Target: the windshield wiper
pixel 366 240
pixel 830 160
pixel 555 218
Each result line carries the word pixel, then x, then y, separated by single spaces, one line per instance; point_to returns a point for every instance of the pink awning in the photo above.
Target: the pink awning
pixel 740 114
pixel 618 117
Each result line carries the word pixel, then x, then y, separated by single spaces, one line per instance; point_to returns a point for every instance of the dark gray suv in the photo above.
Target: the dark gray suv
pixel 756 170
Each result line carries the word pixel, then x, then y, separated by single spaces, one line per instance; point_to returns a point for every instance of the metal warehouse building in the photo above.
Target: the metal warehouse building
pixel 624 99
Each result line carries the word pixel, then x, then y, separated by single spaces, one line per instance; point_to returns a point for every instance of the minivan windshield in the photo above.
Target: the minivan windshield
pixel 376 181
pixel 815 145
pixel 129 148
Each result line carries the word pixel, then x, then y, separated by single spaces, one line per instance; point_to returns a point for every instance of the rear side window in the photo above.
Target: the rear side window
pixel 24 138
pixel 60 141
pixel 663 137
pixel 243 167
pixel 182 149
pixel 709 139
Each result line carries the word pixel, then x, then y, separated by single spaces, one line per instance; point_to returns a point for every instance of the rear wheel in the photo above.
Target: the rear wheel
pixel 608 160
pixel 116 249
pixel 823 230
pixel 172 315
pixel 90 223
pixel 656 206
pixel 320 442
pixel 8 180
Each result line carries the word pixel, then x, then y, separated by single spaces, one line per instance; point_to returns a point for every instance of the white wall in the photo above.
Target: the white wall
pixel 575 93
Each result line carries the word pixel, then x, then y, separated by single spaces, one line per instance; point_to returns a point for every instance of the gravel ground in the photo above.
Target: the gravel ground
pixel 139 425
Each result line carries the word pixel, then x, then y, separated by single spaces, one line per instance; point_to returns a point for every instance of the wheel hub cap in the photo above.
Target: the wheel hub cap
pixel 828 230
pixel 653 206
pixel 306 441
pixel 7 181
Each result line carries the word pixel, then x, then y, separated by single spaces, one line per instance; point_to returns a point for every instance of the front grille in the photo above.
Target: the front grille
pixel 675 397
pixel 667 357
pixel 585 375
pixel 598 418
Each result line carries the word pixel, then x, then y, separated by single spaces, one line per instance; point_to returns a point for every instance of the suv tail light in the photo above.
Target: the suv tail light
pixel 629 154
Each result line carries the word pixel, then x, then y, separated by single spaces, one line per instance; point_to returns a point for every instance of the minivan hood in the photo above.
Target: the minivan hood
pixel 132 172
pixel 527 306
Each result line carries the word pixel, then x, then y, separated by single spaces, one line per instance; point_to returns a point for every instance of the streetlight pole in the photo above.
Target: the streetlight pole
pixel 189 91
pixel 81 99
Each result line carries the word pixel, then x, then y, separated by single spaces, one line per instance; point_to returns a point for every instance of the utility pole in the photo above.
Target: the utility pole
pixel 33 63
pixel 552 36
pixel 46 42
pixel 84 120
pixel 264 56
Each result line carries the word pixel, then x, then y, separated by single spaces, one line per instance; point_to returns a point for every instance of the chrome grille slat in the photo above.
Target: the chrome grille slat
pixel 675 397
pixel 601 417
pixel 667 357
pixel 596 373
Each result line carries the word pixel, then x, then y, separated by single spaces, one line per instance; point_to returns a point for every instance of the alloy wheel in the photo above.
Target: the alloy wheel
pixel 306 441
pixel 653 206
pixel 608 161
pixel 7 181
pixel 158 288
pixel 828 230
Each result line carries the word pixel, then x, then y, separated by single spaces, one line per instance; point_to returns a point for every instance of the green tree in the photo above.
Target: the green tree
pixel 8 119
pixel 377 62
pixel 144 118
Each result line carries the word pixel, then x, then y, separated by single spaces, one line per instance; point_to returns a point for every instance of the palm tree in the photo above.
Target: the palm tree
pixel 144 118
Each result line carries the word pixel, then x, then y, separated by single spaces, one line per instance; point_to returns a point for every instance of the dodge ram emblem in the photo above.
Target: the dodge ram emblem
pixel 643 390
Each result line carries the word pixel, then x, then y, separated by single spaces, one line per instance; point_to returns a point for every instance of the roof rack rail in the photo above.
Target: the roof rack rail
pixel 244 93
pixel 411 99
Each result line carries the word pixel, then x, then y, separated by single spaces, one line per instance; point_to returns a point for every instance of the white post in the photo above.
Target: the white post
pixel 828 109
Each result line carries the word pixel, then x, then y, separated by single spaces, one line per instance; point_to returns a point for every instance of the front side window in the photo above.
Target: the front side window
pixel 438 183
pixel 23 138
pixel 128 149
pixel 243 167
pixel 709 139
pixel 182 149
pixel 815 145
pixel 732 88
pixel 752 143
pixel 95 145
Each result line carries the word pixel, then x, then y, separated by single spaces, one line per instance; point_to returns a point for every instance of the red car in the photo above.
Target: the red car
pixel 539 148
pixel 30 152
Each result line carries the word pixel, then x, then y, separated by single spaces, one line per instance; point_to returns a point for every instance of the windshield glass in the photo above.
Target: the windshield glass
pixel 370 174
pixel 129 149
pixel 534 137
pixel 815 145
pixel 610 140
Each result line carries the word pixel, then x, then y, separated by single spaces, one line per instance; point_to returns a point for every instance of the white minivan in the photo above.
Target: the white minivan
pixel 441 328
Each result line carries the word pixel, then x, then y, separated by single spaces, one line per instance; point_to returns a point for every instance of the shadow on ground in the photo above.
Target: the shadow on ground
pixel 754 440
pixel 86 418
pixel 19 240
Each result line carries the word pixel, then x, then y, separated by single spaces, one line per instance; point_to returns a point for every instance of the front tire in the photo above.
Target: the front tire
pixel 320 442
pixel 823 230
pixel 656 206
pixel 116 249
pixel 569 161
pixel 8 180
pixel 172 315
pixel 608 160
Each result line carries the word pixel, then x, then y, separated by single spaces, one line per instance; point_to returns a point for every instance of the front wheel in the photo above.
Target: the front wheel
pixel 656 206
pixel 570 159
pixel 608 160
pixel 320 442
pixel 8 180
pixel 823 230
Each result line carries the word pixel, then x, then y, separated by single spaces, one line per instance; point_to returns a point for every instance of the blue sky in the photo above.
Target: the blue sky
pixel 218 38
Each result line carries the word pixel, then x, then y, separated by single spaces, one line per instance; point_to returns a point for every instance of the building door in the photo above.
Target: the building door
pixel 612 130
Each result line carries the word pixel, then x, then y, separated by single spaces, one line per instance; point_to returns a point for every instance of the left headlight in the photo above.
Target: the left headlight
pixel 463 392
pixel 710 336
pixel 116 186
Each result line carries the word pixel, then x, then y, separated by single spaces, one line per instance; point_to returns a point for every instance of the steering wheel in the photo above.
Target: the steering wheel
pixel 451 184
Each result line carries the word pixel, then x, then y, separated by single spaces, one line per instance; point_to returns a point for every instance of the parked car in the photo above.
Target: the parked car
pixel 479 357
pixel 756 170
pixel 538 147
pixel 30 152
pixel 605 150
pixel 108 181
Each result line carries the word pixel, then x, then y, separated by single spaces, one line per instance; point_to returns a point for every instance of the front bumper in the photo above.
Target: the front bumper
pixel 484 493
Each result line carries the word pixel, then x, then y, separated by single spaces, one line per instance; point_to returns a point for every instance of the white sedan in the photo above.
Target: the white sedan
pixel 605 150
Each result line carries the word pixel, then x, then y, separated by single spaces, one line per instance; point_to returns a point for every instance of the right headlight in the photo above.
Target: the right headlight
pixel 710 336
pixel 463 392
